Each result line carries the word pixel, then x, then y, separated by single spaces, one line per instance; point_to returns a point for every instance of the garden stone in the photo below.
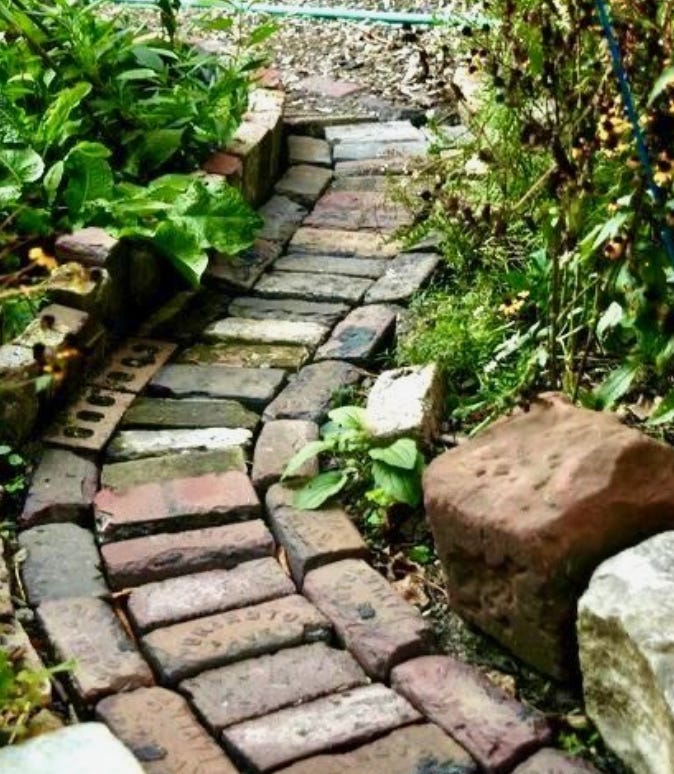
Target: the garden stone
pixel 370 151
pixel 289 357
pixel 573 487
pixel 61 561
pixel 15 358
pixel 77 749
pixel 361 183
pixel 62 489
pixel 135 444
pixel 406 402
pixel 304 184
pixel 361 244
pixel 404 277
pixel 369 268
pixel 626 641
pixel 360 335
pixel 309 150
pixel 92 247
pixel 376 131
pixel 279 441
pixel 166 413
pixel 330 287
pixel 356 210
pixel 551 761
pixel 288 309
pixel 242 271
pixel 54 325
pixel 308 334
pixel 281 217
pixel 123 475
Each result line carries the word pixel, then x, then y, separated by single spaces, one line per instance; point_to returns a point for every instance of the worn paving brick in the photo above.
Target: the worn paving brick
pixel 361 244
pixel 288 309
pixel 62 489
pixel 61 561
pixel 551 761
pixel 360 335
pixel 331 287
pixel 373 622
pixel 328 87
pixel 254 387
pixel 245 330
pixel 306 263
pixel 54 323
pixel 165 413
pixel 361 183
pixel 279 441
pixel 304 183
pixel 214 591
pixel 405 276
pixel 358 210
pixel 309 150
pixel 247 355
pixel 281 217
pixel 157 557
pixel 160 730
pixel 136 444
pixel 186 649
pixel 360 151
pixel 420 749
pixel 374 131
pixel 87 630
pixel 309 394
pixel 255 687
pixel 170 506
pixel 323 725
pixel 241 272
pixel 398 163
pixel 495 729
pixel 123 475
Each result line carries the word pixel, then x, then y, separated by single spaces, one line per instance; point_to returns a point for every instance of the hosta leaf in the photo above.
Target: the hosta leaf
pixel 401 454
pixel 20 165
pixel 309 451
pixel 320 489
pixel 350 417
pixel 52 180
pixel 403 486
pixel 180 241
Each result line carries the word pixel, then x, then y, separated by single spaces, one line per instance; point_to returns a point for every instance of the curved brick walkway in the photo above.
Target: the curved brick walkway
pixel 210 657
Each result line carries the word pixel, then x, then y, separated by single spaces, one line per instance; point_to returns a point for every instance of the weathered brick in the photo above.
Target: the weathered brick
pixel 279 441
pixel 247 355
pixel 241 272
pixel 136 444
pixel 106 660
pixel 312 539
pixel 370 151
pixel 241 329
pixel 157 557
pixel 361 183
pixel 309 150
pixel 288 309
pixel 306 263
pixel 328 87
pixel 398 163
pixel 330 287
pixel 186 649
pixel 170 506
pixel 258 686
pixel 61 561
pixel 159 729
pixel 282 217
pixel 554 762
pixel 360 335
pixel 90 246
pixel 358 210
pixel 373 622
pixel 164 413
pixel 405 276
pixel 304 184
pixel 62 489
pixel 363 244
pixel 342 719
pixel 496 730
pixel 193 596
pixel 123 475
pixel 309 394
pixel 62 322
pixel 375 131
pixel 254 387
pixel 421 749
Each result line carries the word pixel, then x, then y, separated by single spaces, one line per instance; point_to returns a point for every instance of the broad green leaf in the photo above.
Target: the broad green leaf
pixel 56 127
pixel 611 318
pixel 401 454
pixel 664 413
pixel 180 241
pixel 222 24
pixel 154 150
pixel 89 177
pixel 261 33
pixel 312 449
pixel 616 385
pixel 421 554
pixel 663 82
pixel 21 165
pixel 148 58
pixel 9 194
pixel 352 417
pixel 139 74
pixel 403 486
pixel 52 180
pixel 320 489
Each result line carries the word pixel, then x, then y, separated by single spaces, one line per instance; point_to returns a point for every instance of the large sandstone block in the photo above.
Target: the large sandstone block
pixel 524 513
pixel 626 639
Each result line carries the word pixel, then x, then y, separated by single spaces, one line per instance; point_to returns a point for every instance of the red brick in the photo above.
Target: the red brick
pixel 357 210
pixel 224 164
pixel 497 731
pixel 338 720
pixel 193 596
pixel 372 621
pixel 363 244
pixel 258 686
pixel 168 506
pixel 277 444
pixel 157 557
pixel 159 729
pixel 88 631
pixel 423 749
pixel 185 649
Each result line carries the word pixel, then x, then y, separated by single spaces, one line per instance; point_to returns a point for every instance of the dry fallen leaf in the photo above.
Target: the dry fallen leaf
pixel 412 589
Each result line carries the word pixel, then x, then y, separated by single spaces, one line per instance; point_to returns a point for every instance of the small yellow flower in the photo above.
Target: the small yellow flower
pixel 38 256
pixel 512 308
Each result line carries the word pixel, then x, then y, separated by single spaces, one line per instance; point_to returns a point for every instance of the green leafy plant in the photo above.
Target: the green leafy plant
pixel 361 467
pixel 12 470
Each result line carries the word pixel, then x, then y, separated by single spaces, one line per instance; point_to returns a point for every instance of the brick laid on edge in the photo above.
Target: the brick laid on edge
pixel 157 557
pixel 170 506
pixel 241 329
pixel 288 309
pixel 361 244
pixel 258 686
pixel 358 337
pixel 87 630
pixel 165 413
pixel 329 287
pixel 405 276
pixel 136 444
pixel 278 442
pixel 322 725
pixel 186 649
pixel 304 183
pixel 306 263
pixel 160 730
pixel 497 730
pixel 377 625
pixel 193 596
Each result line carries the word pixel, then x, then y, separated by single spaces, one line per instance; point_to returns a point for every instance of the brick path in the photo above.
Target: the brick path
pixel 210 658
